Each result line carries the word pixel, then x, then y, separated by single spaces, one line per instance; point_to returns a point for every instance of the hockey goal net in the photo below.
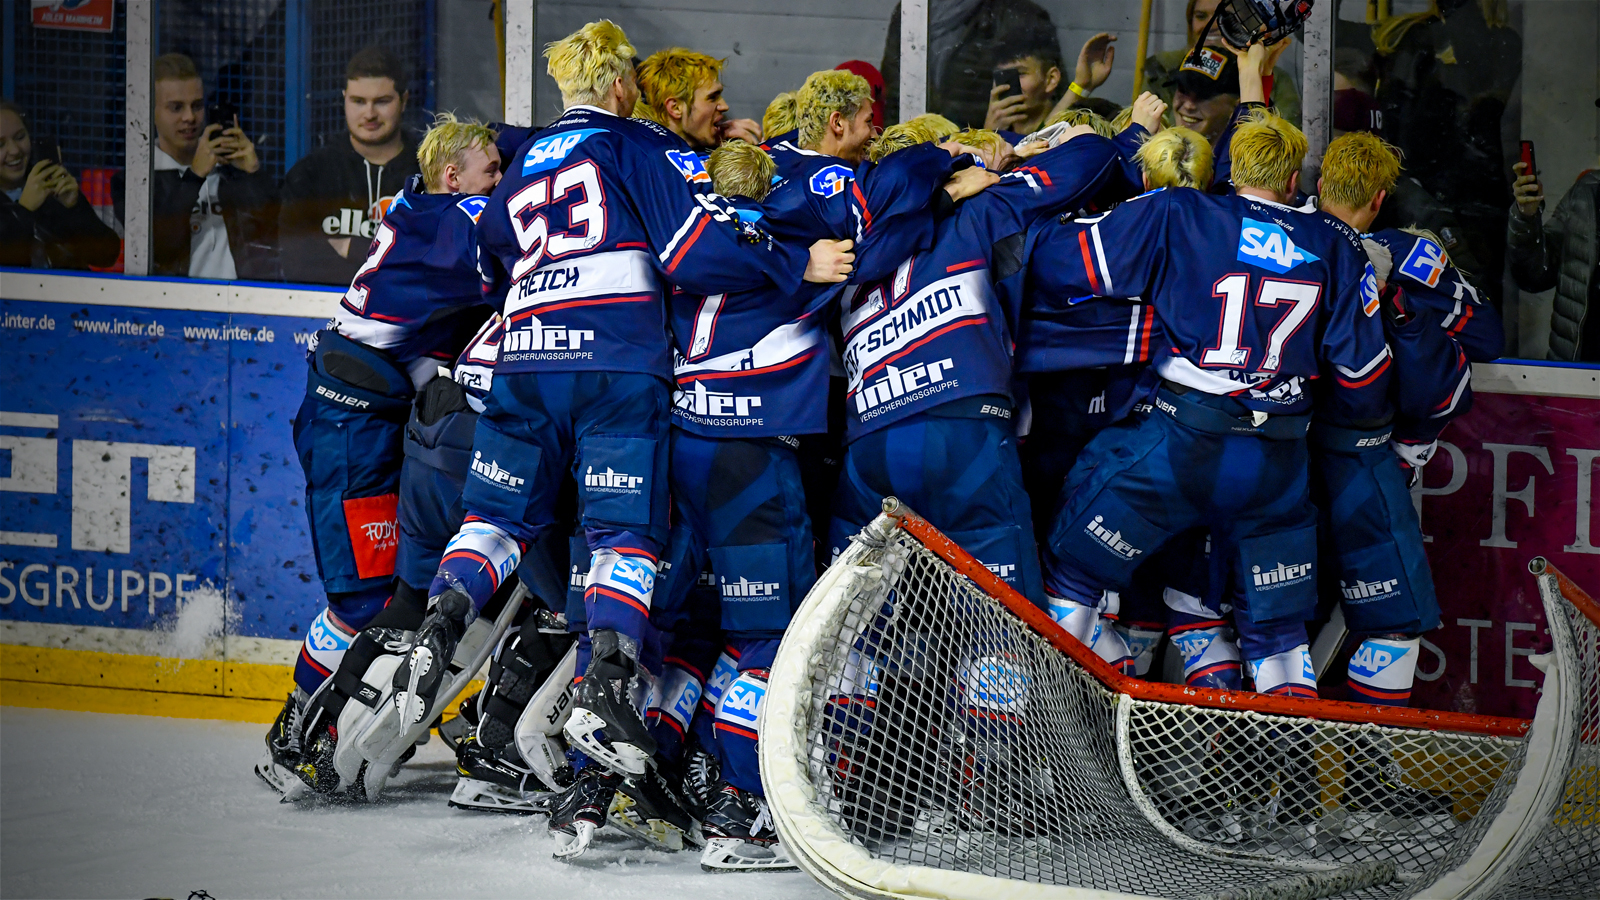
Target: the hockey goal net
pixel 929 733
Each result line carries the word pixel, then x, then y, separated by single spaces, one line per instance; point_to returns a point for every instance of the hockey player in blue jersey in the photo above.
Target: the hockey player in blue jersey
pixel 1255 299
pixel 594 215
pixel 1372 540
pixel 413 303
pixel 752 369
pixel 927 354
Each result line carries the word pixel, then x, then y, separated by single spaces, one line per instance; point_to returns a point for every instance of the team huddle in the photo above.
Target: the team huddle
pixel 629 381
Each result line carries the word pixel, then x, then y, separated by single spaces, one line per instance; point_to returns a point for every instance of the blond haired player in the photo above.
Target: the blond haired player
pixel 682 89
pixel 597 217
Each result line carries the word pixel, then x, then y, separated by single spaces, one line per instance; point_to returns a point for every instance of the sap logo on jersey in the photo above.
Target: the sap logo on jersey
pixel 473 206
pixel 1370 659
pixel 1425 262
pixel 547 153
pixel 830 182
pixel 1267 245
pixel 995 684
pixel 689 166
pixel 742 702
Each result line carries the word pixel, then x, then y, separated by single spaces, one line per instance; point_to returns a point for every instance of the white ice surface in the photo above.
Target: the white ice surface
pixel 131 806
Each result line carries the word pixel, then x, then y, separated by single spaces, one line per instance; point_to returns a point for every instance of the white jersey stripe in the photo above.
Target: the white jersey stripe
pixel 1100 258
pixel 1376 360
pixel 1133 334
pixel 683 230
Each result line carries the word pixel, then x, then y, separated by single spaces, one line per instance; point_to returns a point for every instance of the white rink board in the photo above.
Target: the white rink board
pixel 132 806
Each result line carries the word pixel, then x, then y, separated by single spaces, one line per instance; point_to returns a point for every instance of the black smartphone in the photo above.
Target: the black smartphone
pixel 1527 159
pixel 1012 79
pixel 44 148
pixel 221 112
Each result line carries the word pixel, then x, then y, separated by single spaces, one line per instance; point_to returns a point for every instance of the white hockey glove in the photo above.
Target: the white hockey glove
pixel 1382 261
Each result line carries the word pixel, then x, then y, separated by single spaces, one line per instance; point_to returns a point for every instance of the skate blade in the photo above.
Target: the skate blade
pixel 484 796
pixel 735 855
pixel 571 846
pixel 624 759
pixel 626 816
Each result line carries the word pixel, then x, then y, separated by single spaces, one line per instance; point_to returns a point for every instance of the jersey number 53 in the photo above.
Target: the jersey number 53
pixel 578 187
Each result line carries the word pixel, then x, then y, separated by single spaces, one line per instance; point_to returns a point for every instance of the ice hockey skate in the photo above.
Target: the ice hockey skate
pixel 579 811
pixel 739 834
pixel 605 722
pixel 496 779
pixel 276 767
pixel 649 809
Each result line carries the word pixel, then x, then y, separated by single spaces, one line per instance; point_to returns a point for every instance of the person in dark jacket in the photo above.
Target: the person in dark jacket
pixel 44 221
pixel 1564 254
pixel 213 209
pixel 335 198
pixel 964 38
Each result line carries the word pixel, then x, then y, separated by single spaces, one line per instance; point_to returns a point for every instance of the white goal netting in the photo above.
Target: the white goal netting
pixel 927 733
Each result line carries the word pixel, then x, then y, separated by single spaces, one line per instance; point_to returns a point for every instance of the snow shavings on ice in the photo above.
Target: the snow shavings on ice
pixel 134 806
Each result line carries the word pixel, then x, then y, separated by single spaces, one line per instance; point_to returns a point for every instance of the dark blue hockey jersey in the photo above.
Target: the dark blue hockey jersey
pixel 935 331
pixel 474 369
pixel 755 363
pixel 419 281
pixel 1255 298
pixel 594 216
pixel 1438 291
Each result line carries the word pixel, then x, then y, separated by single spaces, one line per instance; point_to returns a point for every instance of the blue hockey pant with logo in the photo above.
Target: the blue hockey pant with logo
pixel 743 507
pixel 348 434
pixel 609 431
pixel 957 467
pixel 1372 550
pixel 1146 480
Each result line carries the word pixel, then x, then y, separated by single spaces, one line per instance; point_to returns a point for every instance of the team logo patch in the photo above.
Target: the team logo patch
pixel 1370 301
pixel 689 166
pixel 1267 245
pixel 373 526
pixel 547 153
pixel 830 181
pixel 1207 62
pixel 473 206
pixel 1425 262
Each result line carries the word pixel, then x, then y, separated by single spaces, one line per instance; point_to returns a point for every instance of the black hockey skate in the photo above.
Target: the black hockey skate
pixel 739 834
pixel 495 779
pixel 579 811
pixel 283 750
pixel 698 772
pixel 648 808
pixel 605 723
pixel 457 730
pixel 419 676
pixel 1379 804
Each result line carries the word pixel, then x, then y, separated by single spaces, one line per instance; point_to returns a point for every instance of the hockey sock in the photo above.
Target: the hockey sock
pixel 1142 638
pixel 476 561
pixel 621 583
pixel 1087 625
pixel 324 648
pixel 1383 669
pixel 722 675
pixel 672 706
pixel 738 712
pixel 1210 654
pixel 1287 674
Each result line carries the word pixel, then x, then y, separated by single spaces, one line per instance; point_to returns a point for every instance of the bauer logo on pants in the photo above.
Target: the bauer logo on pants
pixel 373 526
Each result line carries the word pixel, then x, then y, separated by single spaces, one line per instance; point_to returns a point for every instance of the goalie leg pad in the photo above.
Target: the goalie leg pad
pixel 526 661
pixel 1287 674
pixel 538 732
pixel 1383 670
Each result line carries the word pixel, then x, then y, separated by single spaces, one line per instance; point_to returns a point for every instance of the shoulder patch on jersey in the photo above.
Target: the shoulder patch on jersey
pixel 547 153
pixel 829 181
pixel 1369 291
pixel 1267 245
pixel 689 166
pixel 1425 263
pixel 473 206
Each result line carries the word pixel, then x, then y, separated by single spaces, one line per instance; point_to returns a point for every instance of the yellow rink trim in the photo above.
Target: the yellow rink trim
pixel 94 681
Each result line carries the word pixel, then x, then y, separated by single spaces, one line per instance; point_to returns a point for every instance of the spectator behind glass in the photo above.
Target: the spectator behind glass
pixel 1160 69
pixel 964 37
pixel 335 198
pixel 213 211
pixel 1563 254
pixel 44 222
pixel 1205 91
pixel 1036 58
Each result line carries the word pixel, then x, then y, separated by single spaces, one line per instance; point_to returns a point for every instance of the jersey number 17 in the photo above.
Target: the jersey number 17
pixel 1299 298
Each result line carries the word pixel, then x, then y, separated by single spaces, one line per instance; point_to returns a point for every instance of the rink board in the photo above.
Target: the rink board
pixel 151 504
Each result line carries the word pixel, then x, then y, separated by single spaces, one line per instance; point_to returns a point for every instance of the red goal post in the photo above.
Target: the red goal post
pixel 928 732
